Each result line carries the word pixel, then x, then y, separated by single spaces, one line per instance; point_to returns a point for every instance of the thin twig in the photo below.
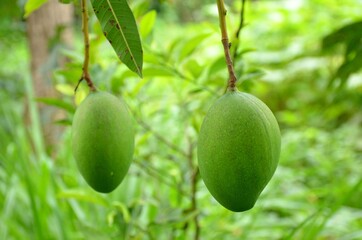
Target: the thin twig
pixel 241 25
pixel 226 44
pixel 154 172
pixel 194 180
pixel 162 138
pixel 194 201
pixel 85 73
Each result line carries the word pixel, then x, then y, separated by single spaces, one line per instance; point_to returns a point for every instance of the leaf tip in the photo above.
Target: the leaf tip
pixel 140 74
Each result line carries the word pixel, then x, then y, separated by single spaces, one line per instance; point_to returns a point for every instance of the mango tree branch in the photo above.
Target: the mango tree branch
pixel 225 42
pixel 85 74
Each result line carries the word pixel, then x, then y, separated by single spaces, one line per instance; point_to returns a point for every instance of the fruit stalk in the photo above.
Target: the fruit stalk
pixel 226 44
pixel 85 74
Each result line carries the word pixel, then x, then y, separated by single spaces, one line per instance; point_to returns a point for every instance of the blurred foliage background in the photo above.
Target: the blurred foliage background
pixel 301 57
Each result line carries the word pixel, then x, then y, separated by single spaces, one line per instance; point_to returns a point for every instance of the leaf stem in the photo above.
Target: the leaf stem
pixel 85 73
pixel 226 44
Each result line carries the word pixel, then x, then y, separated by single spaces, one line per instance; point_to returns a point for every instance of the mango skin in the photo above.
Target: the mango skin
pixel 238 149
pixel 103 140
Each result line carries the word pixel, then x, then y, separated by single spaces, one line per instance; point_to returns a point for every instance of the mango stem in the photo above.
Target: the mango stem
pixel 226 44
pixel 85 73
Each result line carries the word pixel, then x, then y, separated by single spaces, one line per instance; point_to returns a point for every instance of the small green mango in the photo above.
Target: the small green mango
pixel 238 149
pixel 102 140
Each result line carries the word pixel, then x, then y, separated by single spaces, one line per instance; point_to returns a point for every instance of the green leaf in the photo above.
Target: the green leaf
pixel 349 36
pixel 147 23
pixel 123 209
pixel 349 67
pixel 32 5
pixel 57 103
pixel 344 34
pixel 65 122
pixel 218 65
pixel 82 196
pixel 193 67
pixel 65 89
pixel 66 1
pixel 158 71
pixel 192 44
pixel 119 27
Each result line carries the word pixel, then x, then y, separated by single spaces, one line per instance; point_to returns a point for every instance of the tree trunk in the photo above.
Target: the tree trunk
pixel 49 24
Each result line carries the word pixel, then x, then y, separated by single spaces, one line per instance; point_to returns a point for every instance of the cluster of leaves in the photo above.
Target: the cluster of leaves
pixel 350 37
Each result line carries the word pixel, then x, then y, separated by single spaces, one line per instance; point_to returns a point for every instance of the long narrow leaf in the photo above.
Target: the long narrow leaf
pixel 32 5
pixel 57 103
pixel 119 27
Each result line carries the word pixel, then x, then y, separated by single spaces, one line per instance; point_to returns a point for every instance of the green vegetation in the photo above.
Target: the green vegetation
pixel 283 60
pixel 102 140
pixel 238 149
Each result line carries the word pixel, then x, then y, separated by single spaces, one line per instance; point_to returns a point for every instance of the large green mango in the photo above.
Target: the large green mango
pixel 238 149
pixel 103 140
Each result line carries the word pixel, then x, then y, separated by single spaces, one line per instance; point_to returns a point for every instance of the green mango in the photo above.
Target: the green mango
pixel 103 140
pixel 238 149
